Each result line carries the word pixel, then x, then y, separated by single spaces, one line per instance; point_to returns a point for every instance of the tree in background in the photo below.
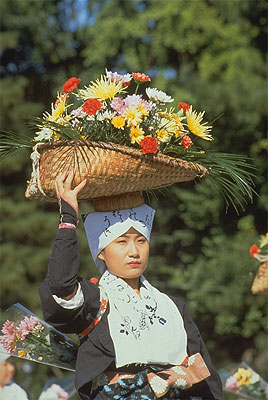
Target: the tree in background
pixel 205 52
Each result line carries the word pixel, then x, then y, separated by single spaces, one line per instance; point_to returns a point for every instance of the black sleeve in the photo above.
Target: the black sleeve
pixel 62 279
pixel 211 387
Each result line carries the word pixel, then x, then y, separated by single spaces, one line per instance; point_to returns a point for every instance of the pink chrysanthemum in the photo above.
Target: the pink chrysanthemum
pixel 9 339
pixel 118 105
pixel 26 326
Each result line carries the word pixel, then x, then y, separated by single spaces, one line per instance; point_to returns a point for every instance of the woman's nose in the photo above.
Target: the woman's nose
pixel 133 249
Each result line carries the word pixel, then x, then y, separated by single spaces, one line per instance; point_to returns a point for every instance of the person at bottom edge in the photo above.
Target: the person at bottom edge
pixel 9 390
pixel 139 342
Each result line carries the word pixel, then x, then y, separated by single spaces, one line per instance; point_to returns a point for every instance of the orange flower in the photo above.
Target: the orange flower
pixel 70 85
pixel 186 141
pixel 91 106
pixel 149 145
pixel 183 106
pixel 254 250
pixel 140 78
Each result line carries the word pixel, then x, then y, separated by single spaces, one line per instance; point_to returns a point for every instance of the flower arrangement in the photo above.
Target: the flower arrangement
pixel 54 392
pixel 260 253
pixel 122 109
pixel 247 384
pixel 105 109
pixel 27 336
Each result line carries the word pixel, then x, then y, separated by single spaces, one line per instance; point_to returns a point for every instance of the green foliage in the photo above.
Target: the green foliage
pixel 209 53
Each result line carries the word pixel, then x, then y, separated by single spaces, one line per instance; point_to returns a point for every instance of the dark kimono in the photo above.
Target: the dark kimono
pixel 96 353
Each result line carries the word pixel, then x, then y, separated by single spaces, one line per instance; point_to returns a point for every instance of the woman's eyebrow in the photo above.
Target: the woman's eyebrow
pixel 126 235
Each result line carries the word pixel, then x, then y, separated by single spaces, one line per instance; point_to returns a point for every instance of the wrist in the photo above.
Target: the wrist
pixel 74 206
pixel 68 214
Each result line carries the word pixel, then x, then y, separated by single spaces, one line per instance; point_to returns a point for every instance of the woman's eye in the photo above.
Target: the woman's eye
pixel 142 240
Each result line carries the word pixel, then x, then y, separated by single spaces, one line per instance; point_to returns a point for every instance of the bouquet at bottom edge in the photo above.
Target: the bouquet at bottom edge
pixel 243 381
pixel 27 336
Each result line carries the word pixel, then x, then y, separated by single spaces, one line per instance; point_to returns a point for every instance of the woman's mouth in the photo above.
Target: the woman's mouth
pixel 134 263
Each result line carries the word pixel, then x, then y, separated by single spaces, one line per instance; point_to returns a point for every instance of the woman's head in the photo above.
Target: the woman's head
pixel 127 256
pixel 103 228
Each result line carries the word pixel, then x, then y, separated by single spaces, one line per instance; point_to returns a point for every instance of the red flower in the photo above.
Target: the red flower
pixel 149 145
pixel 94 280
pixel 91 106
pixel 254 250
pixel 186 142
pixel 183 106
pixel 140 78
pixel 70 85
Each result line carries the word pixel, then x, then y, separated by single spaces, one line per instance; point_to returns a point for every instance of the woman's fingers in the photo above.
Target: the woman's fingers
pixel 68 180
pixel 63 186
pixel 79 187
pixel 59 183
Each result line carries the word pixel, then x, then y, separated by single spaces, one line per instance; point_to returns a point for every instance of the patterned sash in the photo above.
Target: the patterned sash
pixel 182 377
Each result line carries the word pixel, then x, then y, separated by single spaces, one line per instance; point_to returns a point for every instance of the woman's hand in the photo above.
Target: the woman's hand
pixel 63 188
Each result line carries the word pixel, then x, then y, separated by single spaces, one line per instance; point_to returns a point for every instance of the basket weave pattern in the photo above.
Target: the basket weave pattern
pixel 260 283
pixel 110 169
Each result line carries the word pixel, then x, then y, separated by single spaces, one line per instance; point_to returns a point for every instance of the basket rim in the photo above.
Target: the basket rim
pixel 159 157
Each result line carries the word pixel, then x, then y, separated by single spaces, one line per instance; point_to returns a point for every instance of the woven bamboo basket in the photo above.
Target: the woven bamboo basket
pixel 110 169
pixel 260 282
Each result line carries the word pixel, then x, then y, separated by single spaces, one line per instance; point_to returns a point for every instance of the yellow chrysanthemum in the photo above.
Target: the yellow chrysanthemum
pixel 21 353
pixel 57 136
pixel 142 109
pixel 57 110
pixel 171 122
pixel 132 115
pixel 244 376
pixel 169 125
pixel 136 134
pixel 163 135
pixel 118 122
pixel 101 89
pixel 264 240
pixel 195 126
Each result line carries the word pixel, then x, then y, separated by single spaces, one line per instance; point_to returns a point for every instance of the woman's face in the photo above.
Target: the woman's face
pixel 127 256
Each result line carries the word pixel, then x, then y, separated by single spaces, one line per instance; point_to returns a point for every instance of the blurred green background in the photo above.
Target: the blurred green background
pixel 209 53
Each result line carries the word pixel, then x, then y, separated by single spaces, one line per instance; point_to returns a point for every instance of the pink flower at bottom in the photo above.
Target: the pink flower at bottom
pixel 9 339
pixel 231 383
pixel 26 326
pixel 59 391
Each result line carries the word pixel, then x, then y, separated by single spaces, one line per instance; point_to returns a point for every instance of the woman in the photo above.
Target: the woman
pixel 142 343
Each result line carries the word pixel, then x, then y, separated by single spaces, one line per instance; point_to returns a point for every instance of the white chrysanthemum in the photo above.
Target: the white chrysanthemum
pixel 101 116
pixel 181 383
pixel 191 360
pixel 254 377
pixel 178 370
pixel 158 384
pixel 114 76
pixel 158 96
pixel 44 134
